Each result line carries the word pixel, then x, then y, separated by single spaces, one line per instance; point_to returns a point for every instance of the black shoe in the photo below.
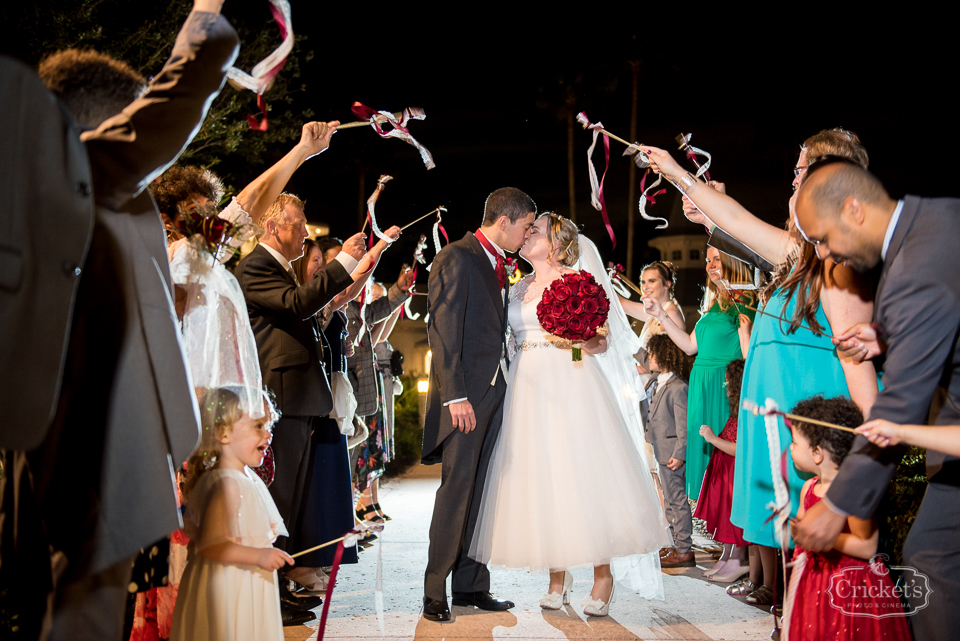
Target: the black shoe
pixel 434 610
pixel 482 600
pixel 304 603
pixel 295 617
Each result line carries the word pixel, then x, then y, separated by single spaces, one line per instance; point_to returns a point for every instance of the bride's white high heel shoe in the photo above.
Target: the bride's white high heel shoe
pixel 598 608
pixel 554 601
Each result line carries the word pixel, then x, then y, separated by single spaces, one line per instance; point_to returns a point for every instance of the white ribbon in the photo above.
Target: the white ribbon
pixel 594 181
pixel 642 206
pixel 259 79
pixel 371 204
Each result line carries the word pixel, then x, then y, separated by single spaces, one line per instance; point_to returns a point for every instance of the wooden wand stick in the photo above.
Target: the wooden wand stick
pixel 314 549
pixel 364 123
pixel 758 410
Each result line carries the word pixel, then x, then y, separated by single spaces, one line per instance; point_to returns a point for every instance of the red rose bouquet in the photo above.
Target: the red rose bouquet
pixel 573 307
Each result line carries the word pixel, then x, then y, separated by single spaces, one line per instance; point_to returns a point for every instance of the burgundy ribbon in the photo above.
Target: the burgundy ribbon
pixel 330 585
pixel 596 195
pixel 693 158
pixel 252 118
pixel 651 197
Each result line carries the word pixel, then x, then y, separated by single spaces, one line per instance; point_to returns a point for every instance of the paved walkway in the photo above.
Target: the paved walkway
pixel 694 608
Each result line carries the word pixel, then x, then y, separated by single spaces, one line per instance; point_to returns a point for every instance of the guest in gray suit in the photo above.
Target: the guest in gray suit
pixel 467 328
pixel 107 426
pixel 848 215
pixel 666 421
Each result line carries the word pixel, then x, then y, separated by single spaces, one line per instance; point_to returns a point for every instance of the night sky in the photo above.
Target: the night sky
pixel 491 82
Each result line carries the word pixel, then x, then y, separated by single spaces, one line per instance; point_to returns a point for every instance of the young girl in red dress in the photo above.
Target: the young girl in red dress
pixel 845 593
pixel 716 494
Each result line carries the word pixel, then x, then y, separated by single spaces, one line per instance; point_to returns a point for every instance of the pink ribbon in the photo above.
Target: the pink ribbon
pixel 399 130
pixel 596 187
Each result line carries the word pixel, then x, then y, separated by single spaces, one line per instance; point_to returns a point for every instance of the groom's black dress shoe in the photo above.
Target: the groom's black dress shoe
pixel 290 616
pixel 482 600
pixel 434 610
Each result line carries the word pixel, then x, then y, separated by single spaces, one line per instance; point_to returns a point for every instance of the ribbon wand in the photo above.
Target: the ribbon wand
pixel 763 410
pixel 428 214
pixel 692 152
pixel 363 123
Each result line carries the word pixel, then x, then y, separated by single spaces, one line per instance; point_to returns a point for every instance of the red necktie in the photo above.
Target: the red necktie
pixel 500 269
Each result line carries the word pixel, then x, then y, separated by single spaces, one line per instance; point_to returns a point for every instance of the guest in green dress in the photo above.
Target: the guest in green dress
pixel 720 336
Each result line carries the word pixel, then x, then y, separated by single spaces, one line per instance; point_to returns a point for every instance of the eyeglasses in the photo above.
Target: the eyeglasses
pixel 799 170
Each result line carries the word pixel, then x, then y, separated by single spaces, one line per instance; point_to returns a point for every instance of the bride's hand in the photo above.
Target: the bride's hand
pixel 596 345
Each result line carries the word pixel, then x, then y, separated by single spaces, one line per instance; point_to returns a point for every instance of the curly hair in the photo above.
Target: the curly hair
pixel 562 236
pixel 839 410
pixel 92 85
pixel 734 376
pixel 669 357
pixel 180 183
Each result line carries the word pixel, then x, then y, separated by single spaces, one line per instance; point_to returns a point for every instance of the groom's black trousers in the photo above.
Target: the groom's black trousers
pixel 465 460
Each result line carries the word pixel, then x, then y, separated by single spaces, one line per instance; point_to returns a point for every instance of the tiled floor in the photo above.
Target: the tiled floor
pixel 693 609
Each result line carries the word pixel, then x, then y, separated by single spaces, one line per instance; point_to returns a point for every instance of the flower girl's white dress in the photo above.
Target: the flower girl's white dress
pixel 220 600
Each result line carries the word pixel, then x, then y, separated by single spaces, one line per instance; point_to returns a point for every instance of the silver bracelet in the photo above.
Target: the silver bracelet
pixel 686 183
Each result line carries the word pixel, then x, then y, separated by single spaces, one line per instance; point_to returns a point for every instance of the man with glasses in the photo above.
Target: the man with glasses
pixel 847 214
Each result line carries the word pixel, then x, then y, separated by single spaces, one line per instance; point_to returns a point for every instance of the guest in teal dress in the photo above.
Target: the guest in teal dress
pixel 720 336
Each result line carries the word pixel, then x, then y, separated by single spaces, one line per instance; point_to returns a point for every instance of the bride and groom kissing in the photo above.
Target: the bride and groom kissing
pixel 535 495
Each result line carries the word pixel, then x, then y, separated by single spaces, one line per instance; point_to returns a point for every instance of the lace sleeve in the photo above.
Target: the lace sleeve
pixel 518 291
pixel 236 214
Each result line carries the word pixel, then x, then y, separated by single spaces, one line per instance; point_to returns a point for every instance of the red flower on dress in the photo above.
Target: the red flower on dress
pixel 573 307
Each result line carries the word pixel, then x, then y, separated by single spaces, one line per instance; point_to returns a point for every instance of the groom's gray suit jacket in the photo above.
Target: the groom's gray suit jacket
pixel 466 329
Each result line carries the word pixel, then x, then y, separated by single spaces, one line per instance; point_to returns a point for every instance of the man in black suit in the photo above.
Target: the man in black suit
pixel 289 340
pixel 467 327
pixel 847 214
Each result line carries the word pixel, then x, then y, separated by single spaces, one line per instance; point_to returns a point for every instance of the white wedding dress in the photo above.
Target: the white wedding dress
pixel 567 485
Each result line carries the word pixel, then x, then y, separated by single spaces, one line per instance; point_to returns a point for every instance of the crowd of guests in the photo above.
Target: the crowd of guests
pixel 169 376
pixel 837 337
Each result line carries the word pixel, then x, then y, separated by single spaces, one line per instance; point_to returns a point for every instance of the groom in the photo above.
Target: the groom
pixel 467 327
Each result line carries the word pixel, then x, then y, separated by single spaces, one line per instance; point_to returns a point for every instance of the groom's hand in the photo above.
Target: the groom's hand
pixel 463 417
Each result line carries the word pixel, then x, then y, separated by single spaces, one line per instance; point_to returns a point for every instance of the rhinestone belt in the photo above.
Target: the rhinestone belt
pixel 560 343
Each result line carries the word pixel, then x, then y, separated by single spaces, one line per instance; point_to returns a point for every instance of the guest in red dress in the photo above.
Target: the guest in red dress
pixel 716 494
pixel 846 593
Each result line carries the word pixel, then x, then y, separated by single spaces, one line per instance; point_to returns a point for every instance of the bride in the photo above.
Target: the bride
pixel 567 484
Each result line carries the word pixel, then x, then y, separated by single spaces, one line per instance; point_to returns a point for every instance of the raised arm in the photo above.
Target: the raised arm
pixel 772 243
pixel 257 197
pixel 132 148
pixel 686 342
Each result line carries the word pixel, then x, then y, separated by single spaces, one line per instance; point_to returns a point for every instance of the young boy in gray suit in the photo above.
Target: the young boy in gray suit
pixel 666 416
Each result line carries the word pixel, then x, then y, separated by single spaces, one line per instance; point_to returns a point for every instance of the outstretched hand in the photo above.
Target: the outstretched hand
pixel 881 432
pixel 653 308
pixel 405 280
pixel 316 137
pixel 661 162
pixel 355 246
pixel 860 343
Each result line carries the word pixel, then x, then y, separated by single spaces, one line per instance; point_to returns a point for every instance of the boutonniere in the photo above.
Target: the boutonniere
pixel 512 269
